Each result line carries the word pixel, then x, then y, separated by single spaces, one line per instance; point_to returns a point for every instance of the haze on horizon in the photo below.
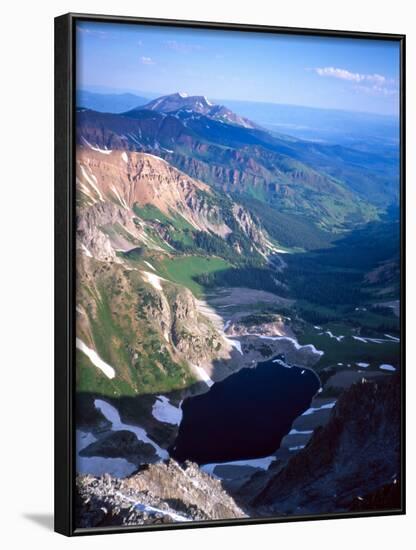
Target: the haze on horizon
pixel 328 73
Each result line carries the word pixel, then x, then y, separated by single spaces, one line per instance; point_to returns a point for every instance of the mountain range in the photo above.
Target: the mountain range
pixel 359 130
pixel 336 187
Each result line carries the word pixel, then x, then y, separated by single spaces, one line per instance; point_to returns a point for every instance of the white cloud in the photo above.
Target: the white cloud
pixel 344 74
pixel 377 90
pixel 182 47
pixel 146 60
pixel 369 83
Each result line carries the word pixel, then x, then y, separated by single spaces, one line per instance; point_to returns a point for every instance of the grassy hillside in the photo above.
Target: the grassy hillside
pixel 124 324
pixel 185 270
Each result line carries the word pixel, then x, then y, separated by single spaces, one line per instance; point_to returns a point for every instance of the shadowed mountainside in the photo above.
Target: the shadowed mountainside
pixel 356 454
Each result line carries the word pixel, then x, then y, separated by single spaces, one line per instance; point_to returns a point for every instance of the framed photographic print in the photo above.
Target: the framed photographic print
pixel 229 341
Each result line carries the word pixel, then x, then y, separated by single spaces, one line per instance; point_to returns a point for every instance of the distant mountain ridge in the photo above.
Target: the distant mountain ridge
pixel 198 104
pixel 108 102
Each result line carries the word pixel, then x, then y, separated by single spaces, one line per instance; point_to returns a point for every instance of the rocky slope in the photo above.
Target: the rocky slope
pixel 352 457
pixel 113 183
pixel 159 493
pixel 129 178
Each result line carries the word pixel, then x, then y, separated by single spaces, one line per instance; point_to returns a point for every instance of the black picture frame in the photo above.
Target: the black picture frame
pixel 65 264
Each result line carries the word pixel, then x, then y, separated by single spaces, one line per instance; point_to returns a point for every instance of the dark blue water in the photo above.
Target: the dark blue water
pixel 244 416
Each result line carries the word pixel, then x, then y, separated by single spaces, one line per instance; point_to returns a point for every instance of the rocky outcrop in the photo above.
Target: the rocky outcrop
pixel 95 244
pixel 246 223
pixel 175 313
pixel 355 454
pixel 158 493
pixel 260 324
pixel 121 444
pixel 251 228
pixel 193 335
pixel 104 227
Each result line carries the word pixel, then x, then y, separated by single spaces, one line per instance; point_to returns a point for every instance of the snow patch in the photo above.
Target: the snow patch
pixel 86 251
pixel 296 448
pixel 387 367
pixel 363 365
pixel 332 335
pixel 300 432
pixel 236 344
pixel 282 363
pixel 312 410
pixel 149 265
pixel 155 157
pixel 85 190
pixel 92 180
pixel 296 344
pixel 202 374
pixel 367 340
pixel 96 359
pixel 360 339
pixel 164 411
pixel 153 279
pixel 152 510
pixel 130 135
pixel 103 151
pixel 120 199
pixel 112 415
pixel 125 157
pixel 394 338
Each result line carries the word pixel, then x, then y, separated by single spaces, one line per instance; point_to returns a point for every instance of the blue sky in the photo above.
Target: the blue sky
pixel 349 74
